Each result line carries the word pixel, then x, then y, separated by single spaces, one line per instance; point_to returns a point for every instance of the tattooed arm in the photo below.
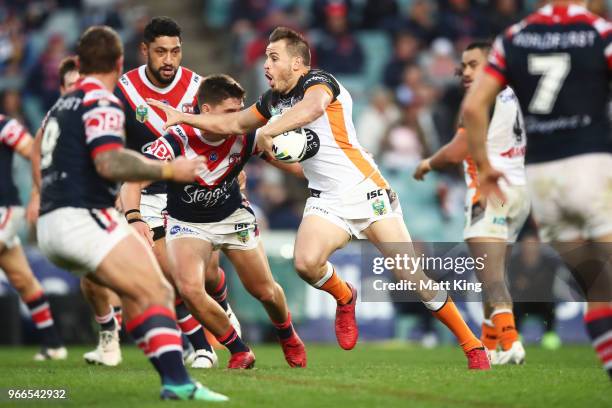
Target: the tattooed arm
pixel 125 165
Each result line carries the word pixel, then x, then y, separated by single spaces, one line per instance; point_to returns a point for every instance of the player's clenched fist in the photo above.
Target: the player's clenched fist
pixel 182 169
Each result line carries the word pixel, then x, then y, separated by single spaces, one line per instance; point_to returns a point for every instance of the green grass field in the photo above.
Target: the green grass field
pixel 369 376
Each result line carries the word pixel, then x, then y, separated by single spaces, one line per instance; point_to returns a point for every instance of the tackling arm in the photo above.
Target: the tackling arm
pixel 222 124
pixel 125 165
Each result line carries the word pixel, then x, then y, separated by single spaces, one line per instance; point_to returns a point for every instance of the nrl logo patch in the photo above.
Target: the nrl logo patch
pixel 142 113
pixel 379 207
pixel 243 236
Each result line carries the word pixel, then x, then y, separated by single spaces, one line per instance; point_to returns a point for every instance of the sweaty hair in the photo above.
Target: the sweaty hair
pixel 98 50
pixel 214 89
pixel 68 64
pixel 161 27
pixel 296 44
pixel 484 46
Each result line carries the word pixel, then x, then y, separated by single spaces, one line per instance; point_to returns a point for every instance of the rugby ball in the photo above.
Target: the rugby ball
pixel 290 146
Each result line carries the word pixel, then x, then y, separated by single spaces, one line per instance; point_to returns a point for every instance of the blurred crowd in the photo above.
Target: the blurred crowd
pixel 397 57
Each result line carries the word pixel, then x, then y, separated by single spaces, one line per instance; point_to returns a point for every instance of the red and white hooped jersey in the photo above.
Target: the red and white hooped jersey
pixel 143 123
pixel 216 193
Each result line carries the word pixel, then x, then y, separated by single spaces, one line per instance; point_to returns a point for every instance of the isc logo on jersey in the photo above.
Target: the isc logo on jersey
pixel 104 121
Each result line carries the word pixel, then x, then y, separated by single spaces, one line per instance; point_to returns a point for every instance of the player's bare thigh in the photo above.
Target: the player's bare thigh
pixel 98 296
pixel 254 271
pixel 212 275
pixel 15 265
pixel 130 269
pixel 188 259
pixel 160 250
pixel 316 240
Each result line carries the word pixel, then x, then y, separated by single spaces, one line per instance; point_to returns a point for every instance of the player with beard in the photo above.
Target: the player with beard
pixel 489 227
pixel 349 196
pixel 162 77
pixel 82 160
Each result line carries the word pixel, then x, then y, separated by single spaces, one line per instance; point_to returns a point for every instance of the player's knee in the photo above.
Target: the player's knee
pixel 264 293
pixel 156 291
pixel 24 283
pixel 308 264
pixel 87 288
pixel 212 273
pixel 190 291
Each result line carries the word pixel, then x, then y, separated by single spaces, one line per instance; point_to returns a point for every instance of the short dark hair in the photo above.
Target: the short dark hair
pixel 66 65
pixel 484 46
pixel 295 41
pixel 161 27
pixel 216 88
pixel 98 50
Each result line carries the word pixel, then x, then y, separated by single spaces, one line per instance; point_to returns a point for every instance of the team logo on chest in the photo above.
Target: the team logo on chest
pixel 142 113
pixel 213 156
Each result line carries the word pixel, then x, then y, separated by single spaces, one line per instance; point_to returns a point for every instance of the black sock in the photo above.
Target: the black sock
pixel 284 330
pixel 233 342
pixel 191 327
pixel 599 326
pixel 220 292
pixel 41 315
pixel 156 334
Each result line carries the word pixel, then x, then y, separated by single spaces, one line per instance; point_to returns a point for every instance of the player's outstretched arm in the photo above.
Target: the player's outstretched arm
pixel 476 107
pixel 125 165
pixel 310 108
pixel 234 123
pixel 452 153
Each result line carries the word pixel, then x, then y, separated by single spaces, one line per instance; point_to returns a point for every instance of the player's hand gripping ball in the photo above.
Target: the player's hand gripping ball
pixel 290 146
